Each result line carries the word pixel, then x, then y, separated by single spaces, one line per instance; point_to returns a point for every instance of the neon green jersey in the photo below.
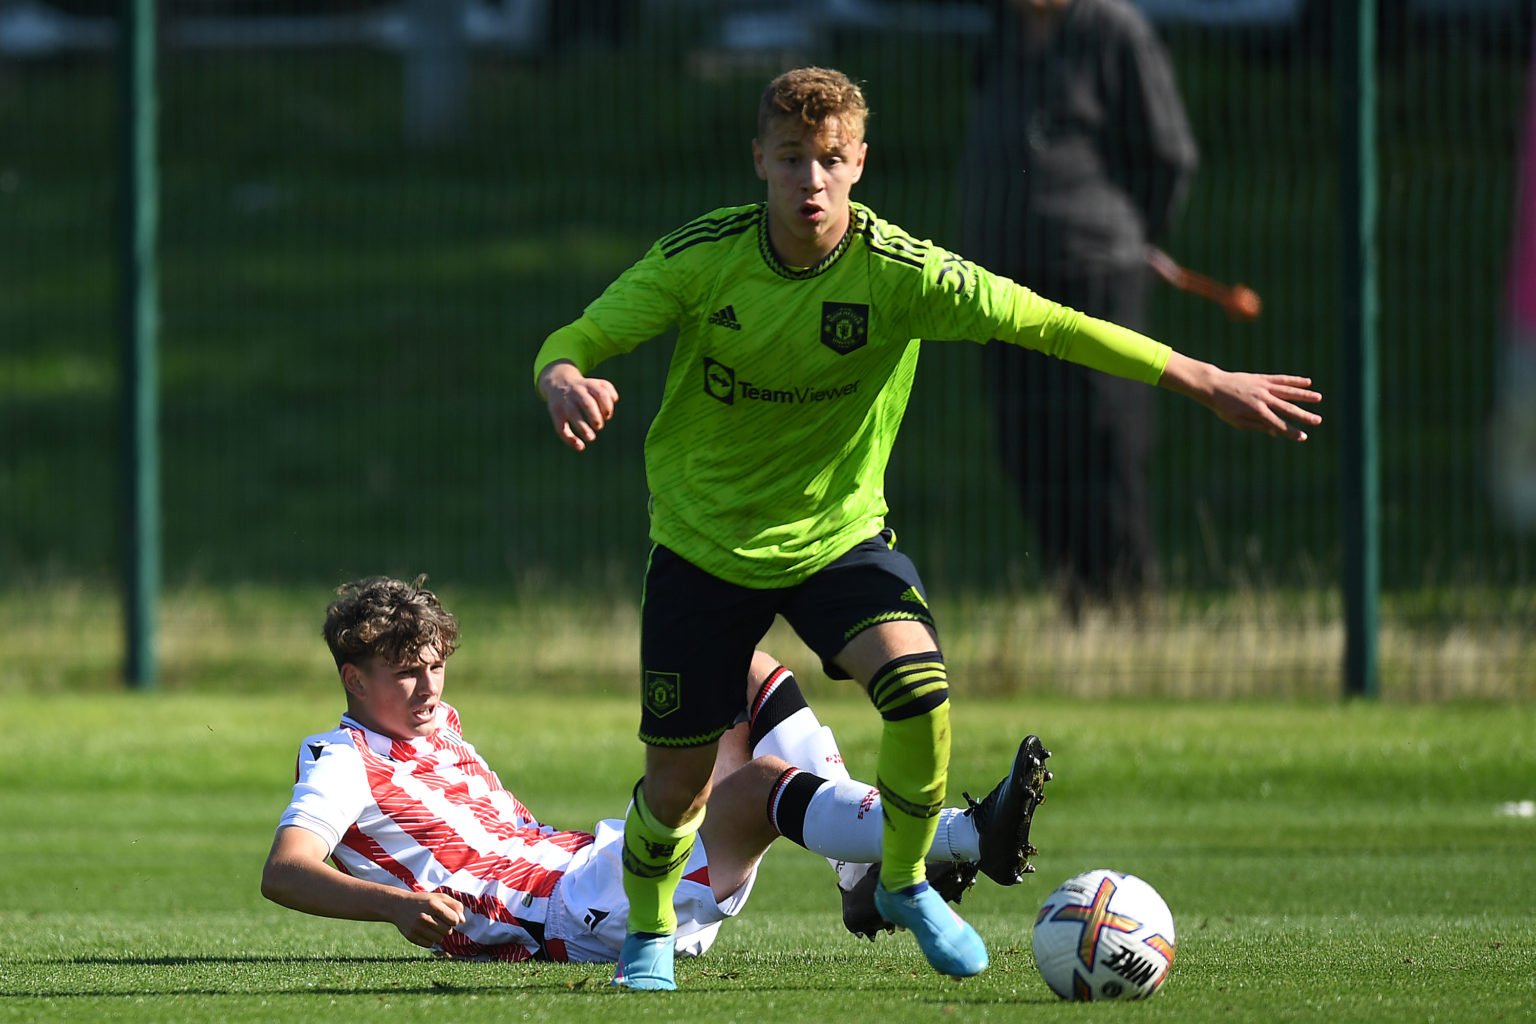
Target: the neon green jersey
pixel 766 460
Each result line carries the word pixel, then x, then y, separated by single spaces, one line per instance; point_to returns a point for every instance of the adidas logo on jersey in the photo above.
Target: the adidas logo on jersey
pixel 914 597
pixel 725 317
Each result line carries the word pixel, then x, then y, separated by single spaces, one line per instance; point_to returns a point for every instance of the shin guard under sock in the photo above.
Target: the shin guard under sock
pixel 654 858
pixel 912 695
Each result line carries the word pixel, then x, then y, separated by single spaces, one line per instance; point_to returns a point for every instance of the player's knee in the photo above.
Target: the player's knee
pixel 764 665
pixel 677 781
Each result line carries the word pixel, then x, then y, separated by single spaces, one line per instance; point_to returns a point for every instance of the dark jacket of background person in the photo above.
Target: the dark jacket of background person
pixel 1079 154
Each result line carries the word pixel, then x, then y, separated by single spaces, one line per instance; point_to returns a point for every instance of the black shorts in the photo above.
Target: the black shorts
pixel 698 632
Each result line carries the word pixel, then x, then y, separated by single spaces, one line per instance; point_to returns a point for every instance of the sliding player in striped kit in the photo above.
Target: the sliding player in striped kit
pixel 798 321
pixel 424 835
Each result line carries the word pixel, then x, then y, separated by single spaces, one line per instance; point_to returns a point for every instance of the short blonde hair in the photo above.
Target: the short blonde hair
pixel 813 97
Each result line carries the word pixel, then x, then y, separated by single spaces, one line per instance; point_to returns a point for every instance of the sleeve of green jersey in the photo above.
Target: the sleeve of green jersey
pixel 962 300
pixel 640 304
pixel 1098 344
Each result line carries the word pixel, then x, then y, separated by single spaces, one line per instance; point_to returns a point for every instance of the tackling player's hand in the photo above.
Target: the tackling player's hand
pixel 579 406
pixel 426 918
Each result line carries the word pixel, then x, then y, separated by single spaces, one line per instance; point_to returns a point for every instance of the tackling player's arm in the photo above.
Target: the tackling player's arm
pixel 297 876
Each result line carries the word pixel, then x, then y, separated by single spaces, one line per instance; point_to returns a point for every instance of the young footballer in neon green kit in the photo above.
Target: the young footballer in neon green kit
pixel 798 321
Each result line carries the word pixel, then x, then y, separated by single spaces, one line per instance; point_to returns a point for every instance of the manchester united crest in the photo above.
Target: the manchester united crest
pixel 844 326
pixel 663 693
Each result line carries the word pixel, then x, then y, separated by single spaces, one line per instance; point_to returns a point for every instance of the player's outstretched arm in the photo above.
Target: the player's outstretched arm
pixel 1265 402
pixel 579 406
pixel 296 876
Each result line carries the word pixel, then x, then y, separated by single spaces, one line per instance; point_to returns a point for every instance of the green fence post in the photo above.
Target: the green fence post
pixel 138 199
pixel 1357 397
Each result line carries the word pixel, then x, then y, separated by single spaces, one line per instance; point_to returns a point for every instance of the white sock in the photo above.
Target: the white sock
pixel 956 838
pixel 850 873
pixel 784 726
pixel 842 823
pixel 796 734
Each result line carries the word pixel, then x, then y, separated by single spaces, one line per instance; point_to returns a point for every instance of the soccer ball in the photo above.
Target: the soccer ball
pixel 1104 935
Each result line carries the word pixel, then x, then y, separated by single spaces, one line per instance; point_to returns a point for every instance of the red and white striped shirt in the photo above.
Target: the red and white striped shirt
pixel 428 814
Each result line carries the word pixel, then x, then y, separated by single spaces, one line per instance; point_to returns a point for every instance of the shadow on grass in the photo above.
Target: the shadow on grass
pixel 391 990
pixel 517 977
pixel 187 961
pixel 527 978
pixel 602 989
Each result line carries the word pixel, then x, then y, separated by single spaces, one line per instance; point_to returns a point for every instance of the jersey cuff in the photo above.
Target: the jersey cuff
pixel 575 341
pixel 1123 352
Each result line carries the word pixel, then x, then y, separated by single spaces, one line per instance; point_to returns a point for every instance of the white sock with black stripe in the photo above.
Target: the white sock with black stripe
pixel 840 819
pixel 784 726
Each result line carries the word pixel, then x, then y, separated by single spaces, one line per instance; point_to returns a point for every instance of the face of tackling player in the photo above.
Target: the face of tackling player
pixel 398 701
pixel 810 172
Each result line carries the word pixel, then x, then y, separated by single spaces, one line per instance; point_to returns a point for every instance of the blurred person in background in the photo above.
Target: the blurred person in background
pixel 1078 157
pixel 1512 428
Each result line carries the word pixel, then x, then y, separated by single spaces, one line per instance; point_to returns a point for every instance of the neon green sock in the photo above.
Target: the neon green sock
pixel 912 696
pixel 654 858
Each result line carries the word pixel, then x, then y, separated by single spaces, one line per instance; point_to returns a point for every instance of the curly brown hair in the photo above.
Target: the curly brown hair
pixel 389 619
pixel 813 96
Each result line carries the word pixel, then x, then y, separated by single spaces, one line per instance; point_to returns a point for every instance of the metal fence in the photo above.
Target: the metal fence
pixel 371 216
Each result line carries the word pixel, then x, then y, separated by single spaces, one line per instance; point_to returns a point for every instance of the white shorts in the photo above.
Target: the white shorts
pixel 588 910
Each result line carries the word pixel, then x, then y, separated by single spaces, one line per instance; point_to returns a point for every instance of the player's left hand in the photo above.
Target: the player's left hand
pixel 1263 402
pixel 1266 402
pixel 426 918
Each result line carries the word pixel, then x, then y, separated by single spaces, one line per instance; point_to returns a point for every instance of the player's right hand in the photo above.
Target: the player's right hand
pixel 426 918
pixel 579 406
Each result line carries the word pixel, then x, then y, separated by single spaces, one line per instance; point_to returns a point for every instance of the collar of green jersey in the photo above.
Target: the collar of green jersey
pixel 783 269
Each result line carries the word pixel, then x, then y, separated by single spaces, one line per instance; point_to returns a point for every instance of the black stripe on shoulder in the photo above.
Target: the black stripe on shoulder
pixel 716 236
pixel 899 247
pixel 896 255
pixel 707 221
pixel 707 229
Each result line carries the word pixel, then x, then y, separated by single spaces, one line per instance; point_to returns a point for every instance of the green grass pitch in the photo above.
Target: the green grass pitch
pixel 1324 863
